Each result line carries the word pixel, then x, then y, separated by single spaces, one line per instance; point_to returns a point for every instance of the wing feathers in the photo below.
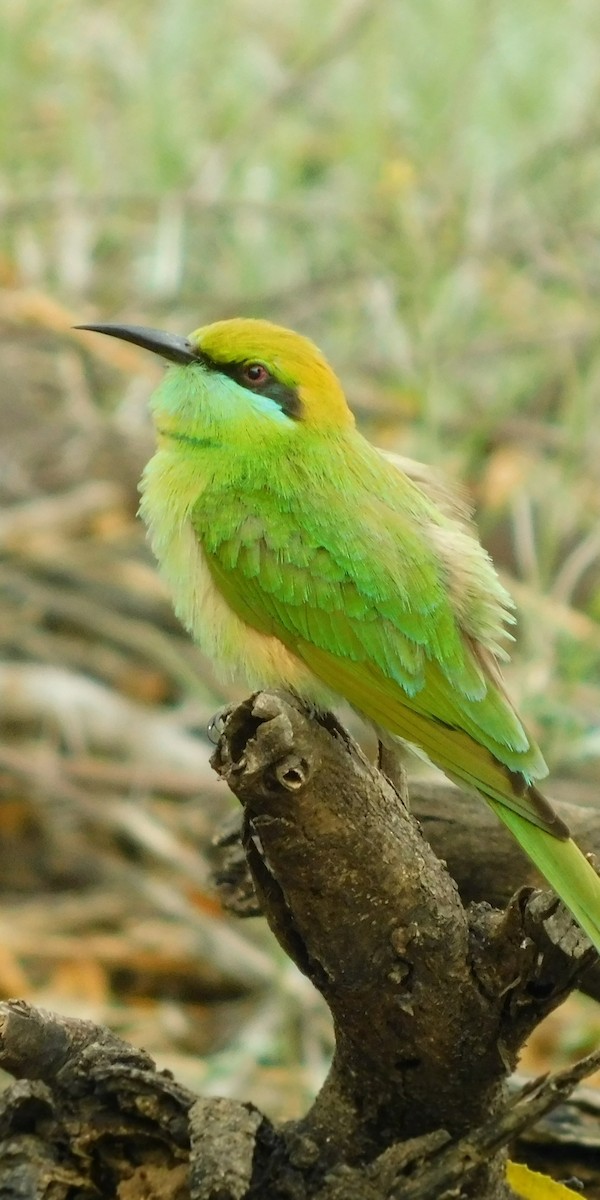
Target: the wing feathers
pixel 453 750
pixel 389 601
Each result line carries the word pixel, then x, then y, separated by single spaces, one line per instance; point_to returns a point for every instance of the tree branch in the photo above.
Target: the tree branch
pixel 430 1002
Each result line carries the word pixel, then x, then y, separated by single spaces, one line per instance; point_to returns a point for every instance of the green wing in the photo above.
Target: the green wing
pixel 365 603
pixel 365 597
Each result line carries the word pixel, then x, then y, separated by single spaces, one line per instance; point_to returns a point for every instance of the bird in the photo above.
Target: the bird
pixel 301 556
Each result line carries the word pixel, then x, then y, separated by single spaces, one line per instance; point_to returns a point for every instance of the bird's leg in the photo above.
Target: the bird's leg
pixel 391 761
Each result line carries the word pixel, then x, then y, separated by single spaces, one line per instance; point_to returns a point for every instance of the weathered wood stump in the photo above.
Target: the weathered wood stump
pixel 431 998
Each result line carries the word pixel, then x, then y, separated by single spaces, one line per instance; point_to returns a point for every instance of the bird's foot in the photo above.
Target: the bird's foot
pixel 217 723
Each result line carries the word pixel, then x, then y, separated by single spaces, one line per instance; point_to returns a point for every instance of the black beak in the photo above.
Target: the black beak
pixel 168 345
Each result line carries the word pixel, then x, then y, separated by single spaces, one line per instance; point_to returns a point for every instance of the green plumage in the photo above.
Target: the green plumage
pixel 360 581
pixel 359 593
pixel 300 555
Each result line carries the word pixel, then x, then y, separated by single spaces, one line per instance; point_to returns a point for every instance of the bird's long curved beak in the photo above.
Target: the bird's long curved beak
pixel 168 345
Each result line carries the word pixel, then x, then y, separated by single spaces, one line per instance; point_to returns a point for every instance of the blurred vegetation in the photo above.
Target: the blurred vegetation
pixel 416 186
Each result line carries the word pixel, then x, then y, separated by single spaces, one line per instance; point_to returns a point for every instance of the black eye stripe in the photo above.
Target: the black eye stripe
pixel 286 397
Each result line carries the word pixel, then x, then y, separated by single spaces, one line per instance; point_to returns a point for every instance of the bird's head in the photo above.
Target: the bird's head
pixel 248 374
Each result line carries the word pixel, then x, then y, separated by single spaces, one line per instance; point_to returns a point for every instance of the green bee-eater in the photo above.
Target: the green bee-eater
pixel 302 557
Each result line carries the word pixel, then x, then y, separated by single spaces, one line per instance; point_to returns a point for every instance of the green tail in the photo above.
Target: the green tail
pixel 563 865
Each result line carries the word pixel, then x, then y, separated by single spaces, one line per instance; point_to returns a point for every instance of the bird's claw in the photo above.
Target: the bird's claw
pixel 217 723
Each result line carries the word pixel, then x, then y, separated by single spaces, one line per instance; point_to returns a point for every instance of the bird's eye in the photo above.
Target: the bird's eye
pixel 255 374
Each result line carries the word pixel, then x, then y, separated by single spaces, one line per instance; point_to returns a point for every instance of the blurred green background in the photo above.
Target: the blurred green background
pixel 416 186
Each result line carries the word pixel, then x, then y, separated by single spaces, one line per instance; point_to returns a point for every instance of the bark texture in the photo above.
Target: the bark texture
pixel 430 999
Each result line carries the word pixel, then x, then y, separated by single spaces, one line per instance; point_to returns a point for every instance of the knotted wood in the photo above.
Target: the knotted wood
pixel 430 1000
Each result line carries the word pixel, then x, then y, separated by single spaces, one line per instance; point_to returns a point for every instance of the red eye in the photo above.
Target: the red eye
pixel 255 374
